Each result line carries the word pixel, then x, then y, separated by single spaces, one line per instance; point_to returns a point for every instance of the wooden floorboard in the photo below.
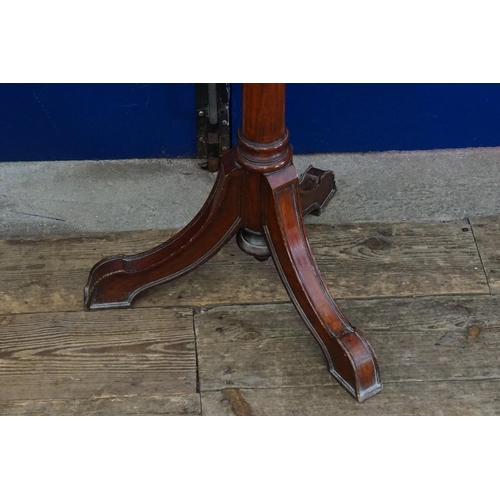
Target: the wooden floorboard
pixel 49 273
pixel 365 260
pixel 168 405
pixel 407 398
pixel 487 234
pixel 418 290
pixel 81 355
pixel 431 339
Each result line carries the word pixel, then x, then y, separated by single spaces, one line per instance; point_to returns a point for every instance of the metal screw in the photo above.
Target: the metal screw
pixel 224 122
pixel 202 139
pixel 201 113
pixel 224 148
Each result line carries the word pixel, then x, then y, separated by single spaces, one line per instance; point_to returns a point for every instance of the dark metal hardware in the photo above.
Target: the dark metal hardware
pixel 212 114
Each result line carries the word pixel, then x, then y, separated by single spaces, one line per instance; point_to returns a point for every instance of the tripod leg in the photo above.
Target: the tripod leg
pixel 115 281
pixel 350 358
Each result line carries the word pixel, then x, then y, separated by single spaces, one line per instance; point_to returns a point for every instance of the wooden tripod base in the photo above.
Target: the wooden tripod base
pixel 257 197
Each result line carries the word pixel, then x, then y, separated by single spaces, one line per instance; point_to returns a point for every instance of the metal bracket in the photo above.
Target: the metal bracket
pixel 212 112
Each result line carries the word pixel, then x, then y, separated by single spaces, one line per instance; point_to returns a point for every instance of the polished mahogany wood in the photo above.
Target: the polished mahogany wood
pixel 259 198
pixel 316 188
pixel 264 112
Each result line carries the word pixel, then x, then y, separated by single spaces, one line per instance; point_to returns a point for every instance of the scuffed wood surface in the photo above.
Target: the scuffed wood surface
pixel 403 259
pixel 407 398
pixel 487 234
pixel 180 405
pixel 50 273
pixel 366 260
pixel 83 355
pixel 439 354
pixel 423 339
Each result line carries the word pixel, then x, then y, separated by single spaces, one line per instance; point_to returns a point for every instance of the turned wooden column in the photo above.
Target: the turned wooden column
pixel 263 147
pixel 263 137
pixel 263 112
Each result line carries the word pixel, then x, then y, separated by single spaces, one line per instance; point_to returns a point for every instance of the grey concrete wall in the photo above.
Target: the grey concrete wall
pixel 103 196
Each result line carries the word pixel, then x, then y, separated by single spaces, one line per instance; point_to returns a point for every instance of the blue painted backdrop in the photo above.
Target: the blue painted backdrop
pixel 383 117
pixel 106 121
pixel 96 121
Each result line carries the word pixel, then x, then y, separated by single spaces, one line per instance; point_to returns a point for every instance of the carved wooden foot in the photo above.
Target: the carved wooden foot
pixel 115 281
pixel 350 358
pixel 317 188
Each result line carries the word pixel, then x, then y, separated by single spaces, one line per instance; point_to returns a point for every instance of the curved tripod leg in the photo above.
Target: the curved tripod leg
pixel 115 281
pixel 350 358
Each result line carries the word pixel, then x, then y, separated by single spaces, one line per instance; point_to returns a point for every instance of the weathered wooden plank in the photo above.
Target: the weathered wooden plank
pixel 462 397
pixel 80 355
pixel 365 260
pixel 421 339
pixel 180 404
pixel 403 259
pixel 487 234
pixel 362 260
pixel 50 273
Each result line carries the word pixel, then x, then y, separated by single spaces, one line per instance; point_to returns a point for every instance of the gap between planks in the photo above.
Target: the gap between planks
pixel 486 232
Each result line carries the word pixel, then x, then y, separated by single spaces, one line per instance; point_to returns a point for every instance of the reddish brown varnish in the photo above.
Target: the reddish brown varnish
pixel 257 196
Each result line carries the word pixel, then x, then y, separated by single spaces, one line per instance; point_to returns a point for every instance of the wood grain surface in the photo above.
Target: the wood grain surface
pixel 49 273
pixel 169 405
pixel 104 354
pixel 427 339
pixel 462 397
pixel 487 234
pixel 418 290
pixel 367 260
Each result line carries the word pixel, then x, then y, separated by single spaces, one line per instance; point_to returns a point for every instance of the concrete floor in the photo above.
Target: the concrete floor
pixel 120 195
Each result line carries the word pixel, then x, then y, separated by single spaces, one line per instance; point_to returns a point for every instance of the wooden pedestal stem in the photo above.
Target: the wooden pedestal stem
pixel 258 197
